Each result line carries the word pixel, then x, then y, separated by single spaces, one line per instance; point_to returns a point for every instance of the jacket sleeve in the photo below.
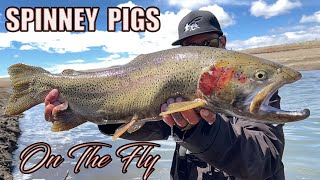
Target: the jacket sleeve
pixel 244 149
pixel 150 131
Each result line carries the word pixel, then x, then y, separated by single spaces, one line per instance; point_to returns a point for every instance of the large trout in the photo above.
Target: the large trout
pixel 220 80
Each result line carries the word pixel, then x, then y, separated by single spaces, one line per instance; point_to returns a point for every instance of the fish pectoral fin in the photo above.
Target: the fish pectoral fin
pixel 183 106
pixel 126 127
pixel 66 119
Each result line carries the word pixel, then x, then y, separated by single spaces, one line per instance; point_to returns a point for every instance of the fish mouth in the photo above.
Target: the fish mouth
pixel 261 105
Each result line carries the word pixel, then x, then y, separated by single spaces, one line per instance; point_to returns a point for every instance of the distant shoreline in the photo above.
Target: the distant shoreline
pixel 300 56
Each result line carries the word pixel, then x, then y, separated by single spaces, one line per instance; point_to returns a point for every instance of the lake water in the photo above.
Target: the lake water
pixel 301 156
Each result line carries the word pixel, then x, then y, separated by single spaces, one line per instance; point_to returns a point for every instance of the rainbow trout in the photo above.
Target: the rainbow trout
pixel 220 80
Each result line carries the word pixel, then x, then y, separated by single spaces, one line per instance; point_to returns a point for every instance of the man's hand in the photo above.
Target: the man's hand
pixel 52 105
pixel 186 117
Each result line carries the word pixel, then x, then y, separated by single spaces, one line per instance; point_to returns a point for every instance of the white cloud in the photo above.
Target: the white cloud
pixel 16 56
pixel 76 61
pixel 189 3
pixel 26 47
pixel 232 2
pixel 193 4
pixel 261 8
pixel 5 41
pixel 309 34
pixel 287 28
pixel 109 58
pixel 128 4
pixel 312 18
pixel 224 18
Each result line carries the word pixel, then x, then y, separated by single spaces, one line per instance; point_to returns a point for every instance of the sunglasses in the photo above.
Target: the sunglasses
pixel 215 42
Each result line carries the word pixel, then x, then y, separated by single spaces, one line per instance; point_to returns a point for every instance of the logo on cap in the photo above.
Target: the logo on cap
pixel 191 26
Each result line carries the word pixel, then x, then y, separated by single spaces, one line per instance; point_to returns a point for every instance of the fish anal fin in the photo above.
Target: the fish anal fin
pixel 58 126
pixel 183 106
pixel 122 129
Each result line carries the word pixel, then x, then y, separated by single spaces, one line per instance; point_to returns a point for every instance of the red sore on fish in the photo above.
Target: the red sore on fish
pixel 225 78
pixel 208 80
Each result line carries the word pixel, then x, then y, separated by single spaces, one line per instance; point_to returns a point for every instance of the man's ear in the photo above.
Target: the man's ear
pixel 223 41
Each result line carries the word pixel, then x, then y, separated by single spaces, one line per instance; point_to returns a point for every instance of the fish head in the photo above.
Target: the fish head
pixel 241 85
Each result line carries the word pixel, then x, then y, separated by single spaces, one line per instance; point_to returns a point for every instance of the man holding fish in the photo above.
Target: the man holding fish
pixel 209 145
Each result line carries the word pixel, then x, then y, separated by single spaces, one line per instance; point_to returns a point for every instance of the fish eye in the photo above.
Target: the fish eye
pixel 261 75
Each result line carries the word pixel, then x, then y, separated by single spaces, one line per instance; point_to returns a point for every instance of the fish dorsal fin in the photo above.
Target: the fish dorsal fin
pixel 122 129
pixel 183 106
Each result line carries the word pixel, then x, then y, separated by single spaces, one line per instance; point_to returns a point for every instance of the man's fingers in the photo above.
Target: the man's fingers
pixel 59 108
pixel 170 100
pixel 164 107
pixel 173 119
pixel 179 99
pixel 51 97
pixel 208 116
pixel 48 112
pixel 191 116
pixel 179 120
pixel 167 118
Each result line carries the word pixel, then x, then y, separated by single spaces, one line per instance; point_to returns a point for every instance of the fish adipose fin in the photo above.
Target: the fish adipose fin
pixel 183 106
pixel 66 119
pixel 130 127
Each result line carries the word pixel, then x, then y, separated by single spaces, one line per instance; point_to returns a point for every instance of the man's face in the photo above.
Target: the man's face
pixel 206 39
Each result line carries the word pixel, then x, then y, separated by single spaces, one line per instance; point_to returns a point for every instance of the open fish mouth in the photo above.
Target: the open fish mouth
pixel 260 105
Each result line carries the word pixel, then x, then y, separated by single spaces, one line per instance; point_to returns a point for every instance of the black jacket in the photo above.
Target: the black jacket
pixel 231 148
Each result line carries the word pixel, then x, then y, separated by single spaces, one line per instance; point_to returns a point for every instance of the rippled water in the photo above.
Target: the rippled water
pixel 302 149
pixel 301 156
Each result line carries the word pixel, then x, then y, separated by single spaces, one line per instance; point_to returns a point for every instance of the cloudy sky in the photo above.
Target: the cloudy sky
pixel 247 24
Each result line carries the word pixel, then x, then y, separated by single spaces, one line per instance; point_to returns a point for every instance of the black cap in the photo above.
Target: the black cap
pixel 197 22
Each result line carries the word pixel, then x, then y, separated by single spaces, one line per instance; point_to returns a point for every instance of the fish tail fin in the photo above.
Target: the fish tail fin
pixel 23 95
